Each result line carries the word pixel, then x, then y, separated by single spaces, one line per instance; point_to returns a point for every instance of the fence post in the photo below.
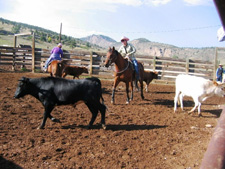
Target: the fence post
pixel 23 64
pixel 215 64
pixel 14 53
pixel 33 53
pixel 91 63
pixel 154 63
pixel 187 65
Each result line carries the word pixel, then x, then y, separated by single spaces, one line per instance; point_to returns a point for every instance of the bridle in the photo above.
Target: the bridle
pixel 115 58
pixel 110 59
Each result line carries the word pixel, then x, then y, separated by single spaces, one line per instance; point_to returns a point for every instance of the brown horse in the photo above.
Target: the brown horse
pixel 56 67
pixel 123 72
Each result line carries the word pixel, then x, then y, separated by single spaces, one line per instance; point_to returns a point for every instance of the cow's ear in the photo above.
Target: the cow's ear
pixel 24 80
pixel 215 83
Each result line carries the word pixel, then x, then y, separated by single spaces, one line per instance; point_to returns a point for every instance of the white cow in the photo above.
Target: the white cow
pixel 196 87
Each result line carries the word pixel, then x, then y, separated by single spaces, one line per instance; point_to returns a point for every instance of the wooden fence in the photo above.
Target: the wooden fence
pixel 168 68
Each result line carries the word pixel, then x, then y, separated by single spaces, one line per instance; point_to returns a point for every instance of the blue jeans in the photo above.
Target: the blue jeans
pixel 135 63
pixel 51 58
pixel 219 78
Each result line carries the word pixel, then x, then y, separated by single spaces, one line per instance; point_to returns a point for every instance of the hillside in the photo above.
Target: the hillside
pixel 146 47
pixel 44 38
pixel 99 40
pixel 48 39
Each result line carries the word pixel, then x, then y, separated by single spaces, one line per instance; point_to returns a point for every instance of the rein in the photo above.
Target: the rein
pixel 123 69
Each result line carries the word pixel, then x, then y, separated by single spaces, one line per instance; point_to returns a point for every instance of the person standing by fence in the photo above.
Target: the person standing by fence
pixel 219 73
pixel 56 54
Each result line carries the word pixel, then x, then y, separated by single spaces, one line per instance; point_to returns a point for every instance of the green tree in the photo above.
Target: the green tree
pixel 88 44
pixel 49 39
pixel 43 37
pixel 16 29
pixel 73 44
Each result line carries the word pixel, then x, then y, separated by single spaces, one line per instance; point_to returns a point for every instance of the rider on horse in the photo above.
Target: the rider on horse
pixel 56 54
pixel 127 51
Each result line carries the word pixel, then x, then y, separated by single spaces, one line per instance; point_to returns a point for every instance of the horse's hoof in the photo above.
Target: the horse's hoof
pixel 200 115
pixel 40 127
pixel 104 126
pixel 55 120
pixel 112 102
pixel 127 102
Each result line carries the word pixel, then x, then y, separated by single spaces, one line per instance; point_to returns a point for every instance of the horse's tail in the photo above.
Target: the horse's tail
pixel 141 67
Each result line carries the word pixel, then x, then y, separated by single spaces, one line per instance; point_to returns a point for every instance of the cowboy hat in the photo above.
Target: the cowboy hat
pixel 59 45
pixel 124 38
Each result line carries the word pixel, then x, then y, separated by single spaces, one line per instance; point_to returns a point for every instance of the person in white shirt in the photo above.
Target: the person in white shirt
pixel 127 51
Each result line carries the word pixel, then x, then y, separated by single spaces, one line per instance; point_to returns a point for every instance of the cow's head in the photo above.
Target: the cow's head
pixel 155 75
pixel 85 70
pixel 219 91
pixel 22 88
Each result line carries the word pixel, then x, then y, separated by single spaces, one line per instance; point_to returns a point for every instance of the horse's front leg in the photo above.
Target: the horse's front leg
pixel 127 91
pixel 132 90
pixel 116 82
pixel 142 86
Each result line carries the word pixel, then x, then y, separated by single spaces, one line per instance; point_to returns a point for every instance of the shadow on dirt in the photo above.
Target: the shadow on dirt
pixel 167 102
pixel 133 127
pixel 216 112
pixel 130 127
pixel 106 91
pixel 6 164
pixel 164 92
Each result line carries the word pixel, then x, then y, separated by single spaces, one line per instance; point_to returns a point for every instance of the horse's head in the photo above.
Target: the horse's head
pixel 111 56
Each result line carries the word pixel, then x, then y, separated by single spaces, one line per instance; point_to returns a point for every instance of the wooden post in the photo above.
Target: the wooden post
pixel 14 53
pixel 215 64
pixel 60 33
pixel 33 53
pixel 23 65
pixel 154 63
pixel 187 65
pixel 91 63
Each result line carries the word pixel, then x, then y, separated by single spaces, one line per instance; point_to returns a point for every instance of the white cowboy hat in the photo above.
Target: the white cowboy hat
pixel 59 45
pixel 124 38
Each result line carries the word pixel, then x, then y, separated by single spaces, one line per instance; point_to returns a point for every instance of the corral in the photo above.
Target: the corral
pixel 144 134
pixel 32 59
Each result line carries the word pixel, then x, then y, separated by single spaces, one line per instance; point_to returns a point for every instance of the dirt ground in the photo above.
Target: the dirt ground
pixel 144 134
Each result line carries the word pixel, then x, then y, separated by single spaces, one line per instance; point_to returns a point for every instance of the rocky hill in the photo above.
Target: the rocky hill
pixel 99 40
pixel 146 47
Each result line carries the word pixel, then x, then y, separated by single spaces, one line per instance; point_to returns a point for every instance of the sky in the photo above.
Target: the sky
pixel 182 23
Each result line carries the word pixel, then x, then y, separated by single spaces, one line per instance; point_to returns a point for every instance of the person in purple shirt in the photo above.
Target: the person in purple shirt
pixel 56 54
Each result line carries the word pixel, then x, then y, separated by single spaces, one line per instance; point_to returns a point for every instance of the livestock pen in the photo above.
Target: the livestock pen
pixel 167 68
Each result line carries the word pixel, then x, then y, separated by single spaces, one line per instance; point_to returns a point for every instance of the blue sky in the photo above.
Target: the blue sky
pixel 183 23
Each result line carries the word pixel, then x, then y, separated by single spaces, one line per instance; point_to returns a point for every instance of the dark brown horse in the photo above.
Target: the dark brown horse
pixel 123 72
pixel 56 67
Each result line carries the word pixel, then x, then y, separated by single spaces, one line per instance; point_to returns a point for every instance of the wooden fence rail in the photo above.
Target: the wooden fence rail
pixel 168 68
